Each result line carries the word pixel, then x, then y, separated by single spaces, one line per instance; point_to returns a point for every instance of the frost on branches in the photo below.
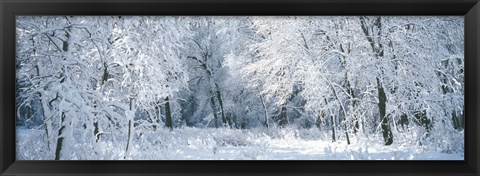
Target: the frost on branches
pixel 356 87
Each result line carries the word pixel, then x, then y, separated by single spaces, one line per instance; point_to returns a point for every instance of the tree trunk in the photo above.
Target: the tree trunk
pixel 129 138
pixel 283 119
pixel 377 48
pixel 342 111
pixel 157 114
pixel 353 104
pixel 421 116
pixel 455 121
pixel 47 118
pixel 168 113
pixel 96 132
pixel 130 126
pixel 58 149
pixel 346 133
pixel 60 138
pixel 319 120
pixel 382 99
pixel 332 123
pixel 214 112
pixel 265 118
pixel 226 120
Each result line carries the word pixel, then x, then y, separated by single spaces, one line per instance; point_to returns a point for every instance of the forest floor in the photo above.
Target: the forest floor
pixel 232 144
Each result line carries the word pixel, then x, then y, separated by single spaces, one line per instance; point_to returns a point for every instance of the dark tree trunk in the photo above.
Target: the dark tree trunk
pixel 373 37
pixel 332 123
pixel 346 133
pixel 265 117
pixel 105 75
pixel 421 116
pixel 342 111
pixel 215 115
pixel 46 120
pixel 349 88
pixel 226 120
pixel 96 132
pixel 356 126
pixel 216 102
pixel 382 99
pixel 168 118
pixel 283 118
pixel 129 134
pixel 404 121
pixel 58 149
pixel 455 121
pixel 348 138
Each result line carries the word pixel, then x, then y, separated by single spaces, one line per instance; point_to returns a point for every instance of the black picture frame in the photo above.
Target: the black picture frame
pixel 470 9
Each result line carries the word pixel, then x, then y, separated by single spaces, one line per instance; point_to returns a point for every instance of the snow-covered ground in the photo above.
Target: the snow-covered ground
pixel 232 144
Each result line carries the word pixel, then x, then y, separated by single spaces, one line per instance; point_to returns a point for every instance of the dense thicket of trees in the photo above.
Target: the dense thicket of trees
pixel 344 75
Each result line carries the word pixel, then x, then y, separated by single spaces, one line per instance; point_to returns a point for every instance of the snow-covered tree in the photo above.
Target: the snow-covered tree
pixel 242 105
pixel 280 55
pixel 208 49
pixel 146 67
pixel 57 64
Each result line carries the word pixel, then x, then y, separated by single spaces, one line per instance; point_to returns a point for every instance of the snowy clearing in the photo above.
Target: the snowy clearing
pixel 232 144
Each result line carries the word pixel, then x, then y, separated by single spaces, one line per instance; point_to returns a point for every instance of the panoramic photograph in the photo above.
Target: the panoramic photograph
pixel 240 88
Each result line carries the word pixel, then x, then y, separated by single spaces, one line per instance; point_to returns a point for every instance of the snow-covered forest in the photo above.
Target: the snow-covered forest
pixel 199 87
